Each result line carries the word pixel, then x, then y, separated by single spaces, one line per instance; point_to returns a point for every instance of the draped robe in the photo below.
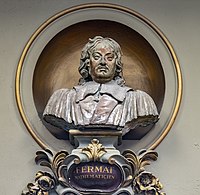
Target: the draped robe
pixel 95 105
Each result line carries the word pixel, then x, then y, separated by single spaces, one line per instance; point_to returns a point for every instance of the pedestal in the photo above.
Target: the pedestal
pixel 95 167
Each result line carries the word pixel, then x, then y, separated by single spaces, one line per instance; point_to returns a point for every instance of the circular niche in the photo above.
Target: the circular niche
pixel 57 66
pixel 50 61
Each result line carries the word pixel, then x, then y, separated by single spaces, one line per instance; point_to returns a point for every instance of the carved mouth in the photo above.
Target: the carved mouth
pixel 102 68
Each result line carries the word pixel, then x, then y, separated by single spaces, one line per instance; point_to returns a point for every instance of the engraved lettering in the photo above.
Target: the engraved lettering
pixel 90 169
pixel 84 169
pixel 98 169
pixel 105 170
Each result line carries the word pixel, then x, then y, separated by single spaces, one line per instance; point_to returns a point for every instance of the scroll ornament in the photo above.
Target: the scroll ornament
pixel 141 181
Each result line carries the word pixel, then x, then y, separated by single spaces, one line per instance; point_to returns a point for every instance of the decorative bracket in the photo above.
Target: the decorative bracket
pixel 95 169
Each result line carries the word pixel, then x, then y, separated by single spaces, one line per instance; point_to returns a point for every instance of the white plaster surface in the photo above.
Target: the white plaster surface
pixel 178 166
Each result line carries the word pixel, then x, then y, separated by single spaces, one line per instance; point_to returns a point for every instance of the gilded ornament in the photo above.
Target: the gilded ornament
pixel 146 183
pixel 94 151
pixel 44 183
pixel 138 162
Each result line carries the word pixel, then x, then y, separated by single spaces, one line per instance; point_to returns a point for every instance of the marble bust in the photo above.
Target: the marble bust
pixel 100 100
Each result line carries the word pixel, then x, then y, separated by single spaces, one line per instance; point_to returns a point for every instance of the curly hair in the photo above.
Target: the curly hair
pixel 85 59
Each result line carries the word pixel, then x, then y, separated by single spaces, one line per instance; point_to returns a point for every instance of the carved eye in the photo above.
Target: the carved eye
pixel 110 58
pixel 96 56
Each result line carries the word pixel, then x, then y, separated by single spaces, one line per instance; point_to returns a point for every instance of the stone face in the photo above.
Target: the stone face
pixel 96 176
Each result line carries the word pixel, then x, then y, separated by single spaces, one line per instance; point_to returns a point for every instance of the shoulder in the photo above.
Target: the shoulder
pixel 62 91
pixel 144 96
pixel 61 94
pixel 139 93
pixel 141 98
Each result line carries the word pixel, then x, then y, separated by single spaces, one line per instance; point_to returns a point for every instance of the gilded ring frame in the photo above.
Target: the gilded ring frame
pixel 88 6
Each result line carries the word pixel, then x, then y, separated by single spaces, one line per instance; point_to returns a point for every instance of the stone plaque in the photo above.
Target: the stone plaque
pixel 95 176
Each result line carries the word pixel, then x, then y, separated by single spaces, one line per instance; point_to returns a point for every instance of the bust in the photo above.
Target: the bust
pixel 100 100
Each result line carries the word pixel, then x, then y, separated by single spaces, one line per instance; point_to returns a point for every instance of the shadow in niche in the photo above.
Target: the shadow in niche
pixel 57 66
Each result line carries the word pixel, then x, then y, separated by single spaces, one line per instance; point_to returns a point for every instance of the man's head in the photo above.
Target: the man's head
pixel 101 60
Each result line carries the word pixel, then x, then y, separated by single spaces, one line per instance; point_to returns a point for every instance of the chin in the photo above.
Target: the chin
pixel 102 80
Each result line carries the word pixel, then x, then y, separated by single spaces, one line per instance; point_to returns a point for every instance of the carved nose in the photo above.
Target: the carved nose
pixel 103 62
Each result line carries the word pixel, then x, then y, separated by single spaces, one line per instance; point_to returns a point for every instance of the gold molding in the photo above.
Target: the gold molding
pixel 90 6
